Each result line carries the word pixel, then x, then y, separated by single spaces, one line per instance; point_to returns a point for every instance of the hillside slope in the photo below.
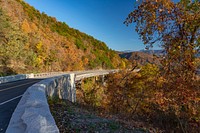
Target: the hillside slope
pixel 31 41
pixel 140 57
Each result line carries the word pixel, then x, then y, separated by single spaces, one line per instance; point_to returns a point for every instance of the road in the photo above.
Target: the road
pixel 92 73
pixel 10 95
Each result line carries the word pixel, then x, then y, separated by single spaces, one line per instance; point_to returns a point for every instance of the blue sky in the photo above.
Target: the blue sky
pixel 102 19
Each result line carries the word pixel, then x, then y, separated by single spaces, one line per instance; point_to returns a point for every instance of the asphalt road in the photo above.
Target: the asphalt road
pixel 10 95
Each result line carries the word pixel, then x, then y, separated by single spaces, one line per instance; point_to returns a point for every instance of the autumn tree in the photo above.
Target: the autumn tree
pixel 175 27
pixel 12 44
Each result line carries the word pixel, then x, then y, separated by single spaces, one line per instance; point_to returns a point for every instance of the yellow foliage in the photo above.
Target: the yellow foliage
pixel 39 60
pixel 39 46
pixel 123 65
pixel 161 81
pixel 78 65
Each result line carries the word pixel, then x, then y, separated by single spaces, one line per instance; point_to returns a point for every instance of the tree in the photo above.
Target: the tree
pixel 175 27
pixel 12 45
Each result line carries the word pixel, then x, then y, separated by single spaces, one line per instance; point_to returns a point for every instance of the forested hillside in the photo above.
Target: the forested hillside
pixel 31 41
pixel 141 58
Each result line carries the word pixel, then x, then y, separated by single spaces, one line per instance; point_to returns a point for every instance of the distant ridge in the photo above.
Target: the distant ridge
pixel 141 57
pixel 156 52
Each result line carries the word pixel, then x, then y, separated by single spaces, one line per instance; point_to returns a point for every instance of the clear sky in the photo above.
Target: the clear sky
pixel 102 19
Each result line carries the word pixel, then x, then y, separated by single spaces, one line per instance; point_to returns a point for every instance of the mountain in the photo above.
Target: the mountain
pixel 31 41
pixel 155 52
pixel 141 57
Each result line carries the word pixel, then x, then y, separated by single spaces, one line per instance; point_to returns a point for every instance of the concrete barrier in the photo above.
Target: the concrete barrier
pixel 13 78
pixel 62 87
pixel 28 76
pixel 49 74
pixel 82 76
pixel 32 114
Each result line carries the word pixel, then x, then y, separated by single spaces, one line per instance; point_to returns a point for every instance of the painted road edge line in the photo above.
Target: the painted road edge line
pixel 17 86
pixel 10 100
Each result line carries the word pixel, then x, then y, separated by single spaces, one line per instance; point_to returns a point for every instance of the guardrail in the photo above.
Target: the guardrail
pixel 27 76
pixel 79 77
pixel 13 78
pixel 50 74
pixel 33 114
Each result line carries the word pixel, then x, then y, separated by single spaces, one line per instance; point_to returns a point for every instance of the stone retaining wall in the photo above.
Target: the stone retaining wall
pixel 32 114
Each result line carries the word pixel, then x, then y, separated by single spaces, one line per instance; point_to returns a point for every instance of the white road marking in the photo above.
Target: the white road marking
pixel 17 86
pixel 10 100
pixel 10 83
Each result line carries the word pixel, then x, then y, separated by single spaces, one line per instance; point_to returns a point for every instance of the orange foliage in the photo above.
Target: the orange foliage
pixel 25 26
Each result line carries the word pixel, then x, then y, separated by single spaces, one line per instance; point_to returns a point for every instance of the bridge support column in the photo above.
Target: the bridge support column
pixel 103 78
pixel 70 90
pixel 72 87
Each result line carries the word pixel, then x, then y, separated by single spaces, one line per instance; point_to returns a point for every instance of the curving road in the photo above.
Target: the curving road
pixel 10 95
pixel 11 92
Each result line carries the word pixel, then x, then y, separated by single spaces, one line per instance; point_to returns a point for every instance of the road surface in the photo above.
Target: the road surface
pixel 10 95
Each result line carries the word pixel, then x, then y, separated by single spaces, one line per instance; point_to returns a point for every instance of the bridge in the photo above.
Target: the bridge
pixel 24 96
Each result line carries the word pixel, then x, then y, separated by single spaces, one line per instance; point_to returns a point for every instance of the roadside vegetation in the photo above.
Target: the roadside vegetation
pixel 145 99
pixel 164 98
pixel 127 101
